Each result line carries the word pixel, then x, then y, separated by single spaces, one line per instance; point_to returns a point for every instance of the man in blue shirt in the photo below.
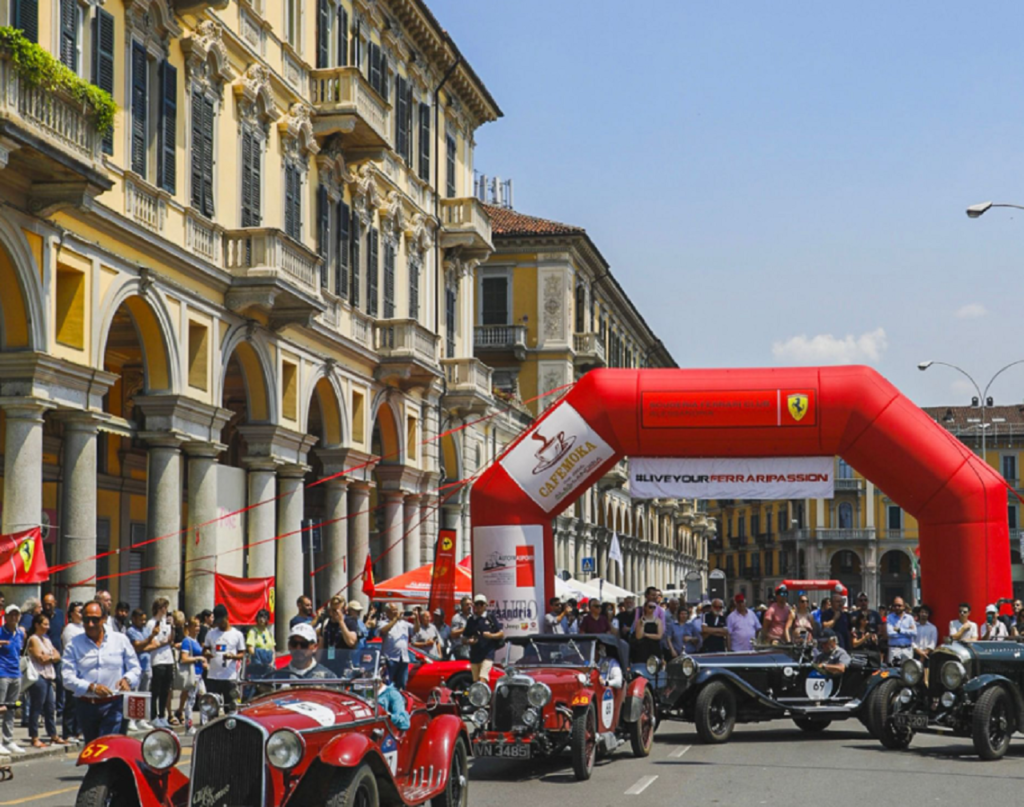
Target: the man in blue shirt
pixel 12 639
pixel 99 667
pixel 902 630
pixel 142 642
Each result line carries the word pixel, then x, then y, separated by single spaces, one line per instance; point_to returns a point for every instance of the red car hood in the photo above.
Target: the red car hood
pixel 299 708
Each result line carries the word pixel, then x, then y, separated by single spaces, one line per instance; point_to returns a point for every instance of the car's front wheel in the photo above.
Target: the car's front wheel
pixel 456 789
pixel 107 785
pixel 354 787
pixel 583 744
pixel 994 723
pixel 460 682
pixel 715 712
pixel 812 724
pixel 641 733
pixel 881 723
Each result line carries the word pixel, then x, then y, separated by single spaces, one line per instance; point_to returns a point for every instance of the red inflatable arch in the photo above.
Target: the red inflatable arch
pixel 958 500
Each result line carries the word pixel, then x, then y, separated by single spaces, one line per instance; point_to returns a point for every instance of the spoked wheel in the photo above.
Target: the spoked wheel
pixel 881 724
pixel 584 742
pixel 107 785
pixel 456 791
pixel 459 682
pixel 715 712
pixel 994 723
pixel 354 788
pixel 641 733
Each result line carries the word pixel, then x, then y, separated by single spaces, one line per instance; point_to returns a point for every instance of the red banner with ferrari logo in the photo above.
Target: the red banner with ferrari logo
pixel 442 578
pixel 244 597
pixel 22 559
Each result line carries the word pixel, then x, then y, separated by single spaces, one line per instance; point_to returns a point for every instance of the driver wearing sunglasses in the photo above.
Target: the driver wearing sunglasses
pixel 303 664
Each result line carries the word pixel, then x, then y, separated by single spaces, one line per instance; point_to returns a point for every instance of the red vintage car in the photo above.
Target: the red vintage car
pixel 563 692
pixel 326 741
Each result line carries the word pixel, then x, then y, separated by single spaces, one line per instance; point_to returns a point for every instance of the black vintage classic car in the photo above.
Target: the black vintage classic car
pixel 717 690
pixel 969 690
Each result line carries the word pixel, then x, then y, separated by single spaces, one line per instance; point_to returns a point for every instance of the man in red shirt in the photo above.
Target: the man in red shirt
pixel 595 621
pixel 773 627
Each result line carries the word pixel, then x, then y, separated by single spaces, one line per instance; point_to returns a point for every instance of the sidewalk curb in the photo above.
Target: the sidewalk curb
pixel 43 753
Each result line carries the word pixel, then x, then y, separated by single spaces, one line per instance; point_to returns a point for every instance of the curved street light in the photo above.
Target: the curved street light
pixel 974 211
pixel 982 395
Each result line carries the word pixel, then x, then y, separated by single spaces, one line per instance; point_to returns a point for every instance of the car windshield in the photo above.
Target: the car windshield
pixel 361 662
pixel 572 651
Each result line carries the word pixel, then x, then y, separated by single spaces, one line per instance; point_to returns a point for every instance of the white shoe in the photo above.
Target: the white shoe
pixel 133 726
pixel 144 726
pixel 17 749
pixel 191 732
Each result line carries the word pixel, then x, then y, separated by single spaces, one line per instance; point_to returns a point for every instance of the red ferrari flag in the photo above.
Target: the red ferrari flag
pixel 244 597
pixel 22 559
pixel 369 588
pixel 442 577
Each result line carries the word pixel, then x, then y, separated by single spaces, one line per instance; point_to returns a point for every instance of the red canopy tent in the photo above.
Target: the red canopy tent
pixel 467 562
pixel 414 586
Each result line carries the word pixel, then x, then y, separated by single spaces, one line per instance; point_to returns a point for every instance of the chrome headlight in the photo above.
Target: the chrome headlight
pixel 538 694
pixel 479 694
pixel 530 717
pixel 480 717
pixel 947 699
pixel 689 667
pixel 912 671
pixel 653 665
pixel 953 674
pixel 209 706
pixel 906 696
pixel 284 749
pixel 160 749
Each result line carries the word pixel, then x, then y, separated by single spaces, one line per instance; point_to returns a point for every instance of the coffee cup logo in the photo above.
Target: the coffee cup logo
pixel 551 450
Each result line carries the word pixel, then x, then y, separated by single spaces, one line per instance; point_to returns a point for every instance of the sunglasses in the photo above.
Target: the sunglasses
pixel 803 602
pixel 649 607
pixel 965 610
pixel 302 644
pixel 89 620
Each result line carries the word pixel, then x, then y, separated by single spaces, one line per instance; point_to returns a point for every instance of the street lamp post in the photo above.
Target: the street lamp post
pixel 974 211
pixel 982 396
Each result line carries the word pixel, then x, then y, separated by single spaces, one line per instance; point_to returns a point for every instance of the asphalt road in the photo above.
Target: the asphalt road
pixel 770 763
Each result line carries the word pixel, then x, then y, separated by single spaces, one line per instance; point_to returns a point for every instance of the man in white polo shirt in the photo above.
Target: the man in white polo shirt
pixel 225 648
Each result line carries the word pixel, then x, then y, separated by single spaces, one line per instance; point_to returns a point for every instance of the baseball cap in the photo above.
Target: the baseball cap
pixel 705 603
pixel 12 609
pixel 782 589
pixel 991 609
pixel 303 630
pixel 220 612
pixel 827 634
pixel 741 597
pixel 480 598
pixel 439 612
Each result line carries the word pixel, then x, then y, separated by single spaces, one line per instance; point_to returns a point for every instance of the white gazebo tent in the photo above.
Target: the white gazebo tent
pixel 609 591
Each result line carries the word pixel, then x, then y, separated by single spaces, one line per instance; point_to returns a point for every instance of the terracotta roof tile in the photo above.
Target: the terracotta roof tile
pixel 508 222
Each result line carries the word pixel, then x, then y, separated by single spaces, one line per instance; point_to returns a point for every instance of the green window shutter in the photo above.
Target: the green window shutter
pixel 355 237
pixel 372 272
pixel 341 269
pixel 425 142
pixel 69 34
pixel 414 290
pixel 139 101
pixel 25 18
pixel 342 36
pixel 168 174
pixel 208 121
pixel 323 33
pixel 196 161
pixel 103 61
pixel 389 281
pixel 323 217
pixel 450 180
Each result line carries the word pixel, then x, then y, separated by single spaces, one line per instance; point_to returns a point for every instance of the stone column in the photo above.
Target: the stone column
pixel 77 518
pixel 412 529
pixel 163 518
pixel 23 475
pixel 261 522
pixel 358 537
pixel 393 532
pixel 428 535
pixel 336 537
pixel 202 508
pixel 291 574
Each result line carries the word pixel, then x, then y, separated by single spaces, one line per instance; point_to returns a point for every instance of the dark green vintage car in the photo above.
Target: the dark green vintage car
pixel 968 690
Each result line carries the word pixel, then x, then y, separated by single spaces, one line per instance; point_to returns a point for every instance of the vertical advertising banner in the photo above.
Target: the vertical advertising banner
pixel 442 576
pixel 509 569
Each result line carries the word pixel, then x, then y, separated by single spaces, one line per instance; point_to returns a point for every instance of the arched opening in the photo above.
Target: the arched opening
pixel 384 442
pixel 845 566
pixel 15 328
pixel 895 577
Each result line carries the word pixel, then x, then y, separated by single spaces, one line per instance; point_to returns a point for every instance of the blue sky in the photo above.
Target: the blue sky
pixel 777 183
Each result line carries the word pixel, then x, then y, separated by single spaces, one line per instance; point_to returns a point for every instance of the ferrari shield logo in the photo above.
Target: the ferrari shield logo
pixel 27 550
pixel 271 599
pixel 446 544
pixel 797 405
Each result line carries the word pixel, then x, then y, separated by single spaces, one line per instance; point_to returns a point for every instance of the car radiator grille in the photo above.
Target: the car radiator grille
pixel 227 766
pixel 935 662
pixel 509 704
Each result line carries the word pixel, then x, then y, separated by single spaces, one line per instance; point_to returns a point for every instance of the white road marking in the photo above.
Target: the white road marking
pixel 641 785
pixel 679 751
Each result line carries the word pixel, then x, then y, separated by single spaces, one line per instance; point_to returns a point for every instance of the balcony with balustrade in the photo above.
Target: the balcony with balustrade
pixel 408 353
pixel 50 140
pixel 465 224
pixel 274 275
pixel 344 101
pixel 500 339
pixel 469 386
pixel 845 535
pixel 589 350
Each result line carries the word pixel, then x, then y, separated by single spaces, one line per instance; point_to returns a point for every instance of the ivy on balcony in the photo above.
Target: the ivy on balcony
pixel 39 69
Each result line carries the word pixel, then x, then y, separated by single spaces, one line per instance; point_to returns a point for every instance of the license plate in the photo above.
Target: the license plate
pixel 908 721
pixel 507 750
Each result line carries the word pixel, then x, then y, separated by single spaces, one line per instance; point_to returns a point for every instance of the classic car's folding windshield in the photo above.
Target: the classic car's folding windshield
pixel 572 651
pixel 349 665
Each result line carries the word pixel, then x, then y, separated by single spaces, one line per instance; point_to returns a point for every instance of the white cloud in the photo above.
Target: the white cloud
pixel 971 311
pixel 824 348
